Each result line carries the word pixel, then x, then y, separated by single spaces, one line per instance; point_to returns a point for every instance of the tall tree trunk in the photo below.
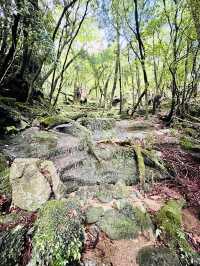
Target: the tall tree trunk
pixel 116 67
pixel 142 61
pixel 13 47
pixel 120 87
pixel 155 68
pixel 173 67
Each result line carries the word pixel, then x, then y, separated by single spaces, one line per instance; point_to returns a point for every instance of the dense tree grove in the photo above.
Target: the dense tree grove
pixel 148 48
pixel 100 132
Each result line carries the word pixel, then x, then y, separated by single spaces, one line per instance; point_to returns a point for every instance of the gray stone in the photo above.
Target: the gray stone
pixel 117 226
pixel 93 214
pixel 33 181
pixel 151 256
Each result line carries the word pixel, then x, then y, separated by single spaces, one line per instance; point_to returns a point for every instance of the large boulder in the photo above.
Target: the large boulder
pixel 125 223
pixel 98 123
pixel 117 226
pixel 59 234
pixel 33 182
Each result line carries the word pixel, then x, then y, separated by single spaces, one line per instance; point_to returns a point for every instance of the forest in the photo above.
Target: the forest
pixel 100 133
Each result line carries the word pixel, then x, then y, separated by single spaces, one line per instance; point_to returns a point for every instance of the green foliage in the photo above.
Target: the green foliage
pixel 186 143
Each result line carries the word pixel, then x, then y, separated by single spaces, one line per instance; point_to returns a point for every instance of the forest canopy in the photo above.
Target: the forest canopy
pixel 124 49
pixel 100 132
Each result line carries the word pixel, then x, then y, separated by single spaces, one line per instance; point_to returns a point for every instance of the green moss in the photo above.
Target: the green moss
pixel 186 143
pixel 51 121
pixel 121 191
pixel 12 245
pixel 3 162
pixel 140 163
pixel 157 257
pixel 118 226
pixel 59 234
pixel 98 123
pixel 142 219
pixel 93 214
pixel 43 137
pixel 104 196
pixel 190 131
pixel 5 187
pixel 11 130
pixel 11 217
pixel 170 219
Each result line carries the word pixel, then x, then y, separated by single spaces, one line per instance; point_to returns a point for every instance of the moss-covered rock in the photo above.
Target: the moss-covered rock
pixel 5 187
pixel 9 116
pixel 3 162
pixel 98 123
pixel 51 121
pixel 33 182
pixel 141 218
pixel 120 190
pixel 59 234
pixel 93 214
pixel 45 138
pixel 11 130
pixel 151 256
pixel 111 192
pixel 10 218
pixel 118 226
pixel 12 245
pixel 169 219
pixel 104 196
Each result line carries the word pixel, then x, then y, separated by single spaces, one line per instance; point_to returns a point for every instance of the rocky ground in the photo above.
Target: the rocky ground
pixel 74 193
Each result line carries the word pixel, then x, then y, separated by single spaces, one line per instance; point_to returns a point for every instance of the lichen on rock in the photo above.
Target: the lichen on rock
pixel 33 182
pixel 118 226
pixel 93 214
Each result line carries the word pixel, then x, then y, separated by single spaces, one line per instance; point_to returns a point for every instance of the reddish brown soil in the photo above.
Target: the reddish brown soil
pixel 185 184
pixel 187 173
pixel 116 253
